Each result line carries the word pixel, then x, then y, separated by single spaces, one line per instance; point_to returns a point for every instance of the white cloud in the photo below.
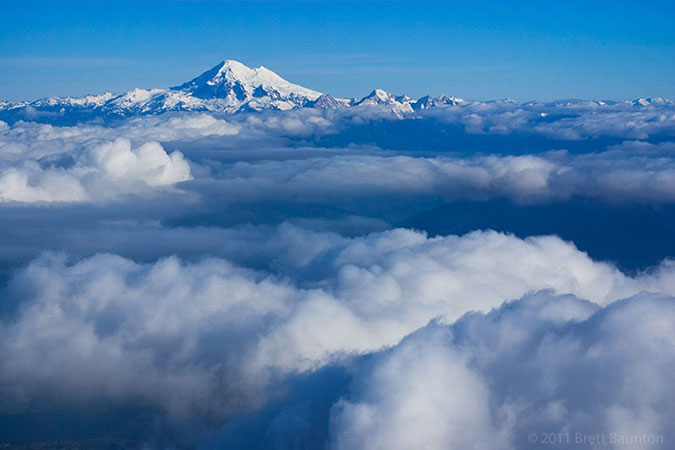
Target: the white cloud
pixel 98 172
pixel 540 366
pixel 615 176
pixel 422 394
pixel 148 162
pixel 200 338
pixel 214 338
pixel 29 183
pixel 629 173
pixel 562 120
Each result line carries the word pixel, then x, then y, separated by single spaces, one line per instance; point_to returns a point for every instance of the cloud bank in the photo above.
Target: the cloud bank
pixel 211 338
pixel 43 163
pixel 255 281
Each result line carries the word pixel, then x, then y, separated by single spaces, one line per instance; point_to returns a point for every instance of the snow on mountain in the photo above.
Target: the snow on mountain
pixel 236 82
pixel 228 87
pixel 380 97
pixel 329 102
pixel 74 102
pixel 651 101
pixel 398 104
pixel 427 102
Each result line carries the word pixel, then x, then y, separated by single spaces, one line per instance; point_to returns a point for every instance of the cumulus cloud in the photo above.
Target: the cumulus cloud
pixel 541 367
pixel 536 367
pixel 30 183
pixel 128 333
pixel 44 163
pixel 148 162
pixel 251 273
pixel 210 338
pixel 99 171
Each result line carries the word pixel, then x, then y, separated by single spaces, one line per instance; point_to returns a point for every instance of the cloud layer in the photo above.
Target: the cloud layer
pixel 208 337
pixel 253 280
pixel 43 163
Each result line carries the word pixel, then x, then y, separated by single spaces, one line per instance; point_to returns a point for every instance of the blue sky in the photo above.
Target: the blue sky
pixel 474 49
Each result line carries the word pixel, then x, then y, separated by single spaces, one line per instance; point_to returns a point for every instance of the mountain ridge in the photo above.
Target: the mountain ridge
pixel 229 87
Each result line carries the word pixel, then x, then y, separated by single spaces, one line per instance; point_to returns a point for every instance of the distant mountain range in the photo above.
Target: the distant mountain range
pixel 228 87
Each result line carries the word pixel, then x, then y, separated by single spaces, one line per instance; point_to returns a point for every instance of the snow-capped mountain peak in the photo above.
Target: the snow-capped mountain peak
pixel 236 81
pixel 377 97
pixel 650 101
pixel 428 101
pixel 229 86
pixel 397 103
pixel 381 95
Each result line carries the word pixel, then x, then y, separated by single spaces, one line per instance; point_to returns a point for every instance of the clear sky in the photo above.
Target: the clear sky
pixel 476 49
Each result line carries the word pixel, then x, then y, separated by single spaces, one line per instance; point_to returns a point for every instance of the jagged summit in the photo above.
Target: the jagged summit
pixel 382 97
pixel 397 103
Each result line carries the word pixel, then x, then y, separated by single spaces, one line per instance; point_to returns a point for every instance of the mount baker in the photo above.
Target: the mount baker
pixel 228 87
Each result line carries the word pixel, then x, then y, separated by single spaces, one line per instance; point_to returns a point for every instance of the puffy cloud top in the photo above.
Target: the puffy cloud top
pixel 250 281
